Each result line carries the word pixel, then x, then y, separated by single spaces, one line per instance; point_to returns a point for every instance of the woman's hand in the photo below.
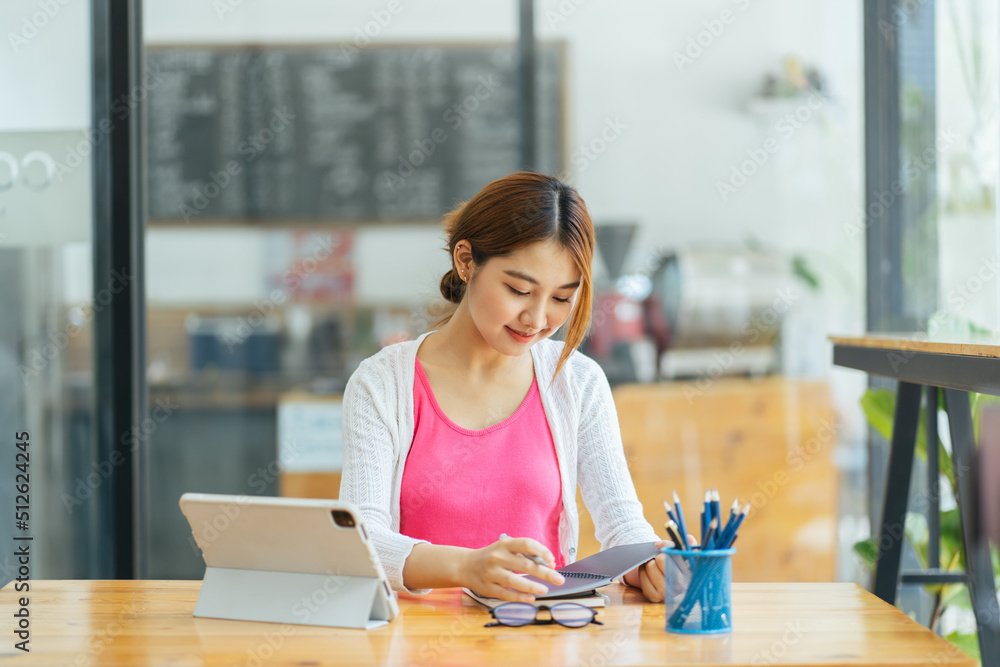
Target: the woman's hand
pixel 490 571
pixel 649 577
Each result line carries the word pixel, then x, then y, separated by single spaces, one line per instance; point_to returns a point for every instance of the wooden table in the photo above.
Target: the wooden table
pixel 957 366
pixel 150 623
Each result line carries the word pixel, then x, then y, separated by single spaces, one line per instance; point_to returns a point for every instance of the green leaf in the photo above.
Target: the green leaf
pixel 956 594
pixel 947 467
pixel 951 540
pixel 801 269
pixel 867 550
pixel 969 644
pixel 879 406
pixel 917 534
pixel 944 458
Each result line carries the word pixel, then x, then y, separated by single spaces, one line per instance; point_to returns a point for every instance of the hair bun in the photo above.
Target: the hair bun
pixel 452 287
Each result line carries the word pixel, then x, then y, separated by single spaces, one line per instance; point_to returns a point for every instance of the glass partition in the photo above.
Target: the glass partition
pixel 300 160
pixel 52 476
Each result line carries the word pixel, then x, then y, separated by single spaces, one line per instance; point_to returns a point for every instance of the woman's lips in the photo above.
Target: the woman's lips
pixel 520 336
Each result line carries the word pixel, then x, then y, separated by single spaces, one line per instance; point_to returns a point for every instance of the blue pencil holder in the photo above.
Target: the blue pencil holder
pixel 698 590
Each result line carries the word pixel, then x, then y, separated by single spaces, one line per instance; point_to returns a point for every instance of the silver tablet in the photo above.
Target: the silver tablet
pixel 287 560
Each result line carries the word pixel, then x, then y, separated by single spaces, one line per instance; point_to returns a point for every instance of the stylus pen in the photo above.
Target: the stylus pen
pixel 532 557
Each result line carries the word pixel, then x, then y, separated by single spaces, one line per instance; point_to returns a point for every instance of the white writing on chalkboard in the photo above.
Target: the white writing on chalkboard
pixel 439 118
pixel 454 116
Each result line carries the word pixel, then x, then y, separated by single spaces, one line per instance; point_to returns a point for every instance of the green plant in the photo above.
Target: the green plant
pixel 879 406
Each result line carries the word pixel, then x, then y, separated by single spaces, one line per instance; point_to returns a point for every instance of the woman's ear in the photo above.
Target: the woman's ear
pixel 463 259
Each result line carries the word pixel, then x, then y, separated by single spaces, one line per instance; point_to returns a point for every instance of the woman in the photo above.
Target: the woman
pixel 483 425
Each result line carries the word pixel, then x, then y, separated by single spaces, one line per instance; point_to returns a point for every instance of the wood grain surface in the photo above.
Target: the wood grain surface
pixel 973 346
pixel 150 622
pixel 769 442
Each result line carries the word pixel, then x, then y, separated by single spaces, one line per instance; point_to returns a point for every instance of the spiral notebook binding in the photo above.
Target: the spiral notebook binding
pixel 585 575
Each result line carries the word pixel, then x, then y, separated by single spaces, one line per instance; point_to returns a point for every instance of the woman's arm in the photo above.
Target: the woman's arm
pixel 602 470
pixel 489 571
pixel 606 484
pixel 370 433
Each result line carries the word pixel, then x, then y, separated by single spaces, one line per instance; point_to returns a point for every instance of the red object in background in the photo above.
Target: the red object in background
pixel 616 319
pixel 320 268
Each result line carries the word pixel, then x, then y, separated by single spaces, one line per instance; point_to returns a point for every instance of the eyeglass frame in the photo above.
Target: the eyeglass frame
pixel 550 621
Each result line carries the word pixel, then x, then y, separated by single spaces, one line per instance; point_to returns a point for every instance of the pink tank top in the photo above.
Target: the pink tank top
pixel 464 487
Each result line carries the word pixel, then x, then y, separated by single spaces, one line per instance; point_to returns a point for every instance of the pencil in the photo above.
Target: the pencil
pixel 670 512
pixel 706 515
pixel 710 540
pixel 680 522
pixel 730 537
pixel 671 529
pixel 732 516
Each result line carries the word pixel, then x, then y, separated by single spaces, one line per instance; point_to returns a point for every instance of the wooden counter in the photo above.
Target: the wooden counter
pixel 769 442
pixel 150 623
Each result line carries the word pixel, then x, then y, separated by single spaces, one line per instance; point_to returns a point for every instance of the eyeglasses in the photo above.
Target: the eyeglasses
pixel 569 614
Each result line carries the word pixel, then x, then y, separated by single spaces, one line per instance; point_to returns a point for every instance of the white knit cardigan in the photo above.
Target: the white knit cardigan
pixel 378 431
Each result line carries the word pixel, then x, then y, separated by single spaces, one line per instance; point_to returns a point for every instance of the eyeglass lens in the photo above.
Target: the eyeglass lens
pixel 515 613
pixel 572 615
pixel 521 613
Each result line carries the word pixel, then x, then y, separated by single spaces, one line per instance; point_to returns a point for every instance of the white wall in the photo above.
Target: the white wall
pixel 685 130
pixel 44 66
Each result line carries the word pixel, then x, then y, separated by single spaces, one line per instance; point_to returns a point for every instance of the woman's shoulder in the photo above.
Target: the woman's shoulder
pixel 383 366
pixel 393 353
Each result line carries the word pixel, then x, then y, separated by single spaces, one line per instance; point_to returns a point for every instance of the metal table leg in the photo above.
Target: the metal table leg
pixel 933 483
pixel 897 490
pixel 978 567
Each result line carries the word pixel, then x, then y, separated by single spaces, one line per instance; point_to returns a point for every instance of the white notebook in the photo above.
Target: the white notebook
pixel 595 599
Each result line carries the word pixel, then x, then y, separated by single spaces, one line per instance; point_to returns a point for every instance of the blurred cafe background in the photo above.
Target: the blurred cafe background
pixel 296 157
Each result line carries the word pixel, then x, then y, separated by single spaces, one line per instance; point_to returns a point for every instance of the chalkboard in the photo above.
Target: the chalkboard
pixel 334 133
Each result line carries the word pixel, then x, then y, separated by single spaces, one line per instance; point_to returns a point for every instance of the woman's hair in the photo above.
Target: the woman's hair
pixel 516 211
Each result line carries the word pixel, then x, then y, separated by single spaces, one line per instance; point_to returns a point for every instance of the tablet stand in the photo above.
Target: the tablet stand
pixel 330 600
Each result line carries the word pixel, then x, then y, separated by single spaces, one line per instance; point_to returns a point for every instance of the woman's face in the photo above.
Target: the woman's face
pixel 519 299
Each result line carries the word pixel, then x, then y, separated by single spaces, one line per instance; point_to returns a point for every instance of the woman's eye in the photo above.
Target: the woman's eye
pixel 526 294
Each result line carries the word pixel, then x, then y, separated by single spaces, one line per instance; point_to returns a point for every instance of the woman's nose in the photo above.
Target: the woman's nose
pixel 534 318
